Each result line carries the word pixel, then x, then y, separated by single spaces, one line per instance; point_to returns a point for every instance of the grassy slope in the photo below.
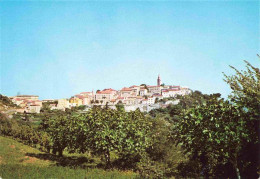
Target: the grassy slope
pixel 21 161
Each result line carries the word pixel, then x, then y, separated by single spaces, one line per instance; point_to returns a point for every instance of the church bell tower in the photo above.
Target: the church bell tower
pixel 158 81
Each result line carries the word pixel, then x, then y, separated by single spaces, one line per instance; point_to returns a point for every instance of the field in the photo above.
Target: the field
pixel 20 161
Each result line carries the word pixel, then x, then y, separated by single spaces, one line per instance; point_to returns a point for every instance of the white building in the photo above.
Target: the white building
pixel 172 102
pixel 34 108
pixel 185 91
pixel 158 96
pixel 143 91
pixel 154 89
pixel 126 92
pixel 145 101
pixel 135 90
pixel 151 100
pixel 63 103
pixel 170 93
pixel 105 96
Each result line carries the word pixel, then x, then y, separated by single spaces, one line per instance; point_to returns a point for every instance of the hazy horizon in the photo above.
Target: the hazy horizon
pixel 58 49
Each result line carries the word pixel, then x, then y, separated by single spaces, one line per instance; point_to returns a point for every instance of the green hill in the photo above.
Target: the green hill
pixel 7 107
pixel 5 102
pixel 20 161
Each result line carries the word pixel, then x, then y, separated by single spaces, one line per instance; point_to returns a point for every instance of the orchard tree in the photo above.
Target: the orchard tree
pixel 118 131
pixel 245 87
pixel 212 133
pixel 57 128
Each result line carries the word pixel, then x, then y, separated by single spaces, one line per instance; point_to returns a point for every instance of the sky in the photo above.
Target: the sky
pixel 56 49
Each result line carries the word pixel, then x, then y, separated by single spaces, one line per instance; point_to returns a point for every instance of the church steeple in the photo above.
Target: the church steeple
pixel 158 81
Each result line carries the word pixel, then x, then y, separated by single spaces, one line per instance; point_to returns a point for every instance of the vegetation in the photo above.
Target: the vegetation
pixel 4 100
pixel 21 161
pixel 212 133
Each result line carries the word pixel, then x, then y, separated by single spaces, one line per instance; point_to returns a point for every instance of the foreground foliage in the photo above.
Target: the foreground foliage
pixel 20 161
pixel 100 131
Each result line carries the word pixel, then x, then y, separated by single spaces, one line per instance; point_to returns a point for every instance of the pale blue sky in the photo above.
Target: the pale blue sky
pixel 57 49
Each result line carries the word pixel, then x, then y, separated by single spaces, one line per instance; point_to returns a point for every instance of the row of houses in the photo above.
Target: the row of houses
pixel 131 97
pixel 28 103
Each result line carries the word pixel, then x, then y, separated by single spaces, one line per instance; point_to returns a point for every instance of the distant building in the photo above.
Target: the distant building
pixel 135 90
pixel 34 108
pixel 48 101
pixel 145 101
pixel 170 93
pixel 158 81
pixel 28 97
pixel 154 89
pixel 158 96
pixel 63 104
pixel 76 100
pixel 29 103
pixel 151 100
pixel 172 102
pixel 126 92
pixel 22 100
pixel 105 96
pixel 185 91
pixel 143 91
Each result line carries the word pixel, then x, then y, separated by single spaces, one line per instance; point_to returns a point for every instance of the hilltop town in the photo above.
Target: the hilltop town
pixel 144 97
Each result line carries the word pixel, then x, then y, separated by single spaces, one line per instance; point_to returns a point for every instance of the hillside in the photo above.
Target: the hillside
pixel 21 161
pixel 6 103
pixel 7 107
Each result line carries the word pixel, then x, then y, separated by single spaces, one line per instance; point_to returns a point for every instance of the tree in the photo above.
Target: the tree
pixel 246 94
pixel 118 131
pixel 212 133
pixel 120 106
pixel 57 126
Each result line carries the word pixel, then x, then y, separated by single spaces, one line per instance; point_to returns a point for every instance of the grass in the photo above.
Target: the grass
pixel 20 161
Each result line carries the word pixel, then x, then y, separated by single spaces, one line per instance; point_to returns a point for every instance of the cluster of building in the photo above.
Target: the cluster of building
pixel 28 103
pixel 144 97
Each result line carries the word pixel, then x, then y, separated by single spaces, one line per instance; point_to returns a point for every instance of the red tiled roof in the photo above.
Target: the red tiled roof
pixel 104 92
pixel 126 89
pixel 133 86
pixel 85 92
pixel 152 86
pixel 109 89
pixel 80 97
